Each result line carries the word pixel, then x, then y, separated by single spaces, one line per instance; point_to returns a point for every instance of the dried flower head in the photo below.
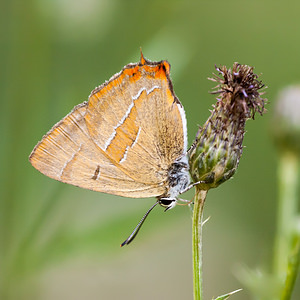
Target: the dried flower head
pixel 215 154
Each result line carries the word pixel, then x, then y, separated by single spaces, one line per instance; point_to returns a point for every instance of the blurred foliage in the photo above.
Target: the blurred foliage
pixel 58 241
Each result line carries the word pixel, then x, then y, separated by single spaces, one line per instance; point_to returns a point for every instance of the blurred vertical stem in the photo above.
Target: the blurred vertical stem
pixel 287 208
pixel 293 266
pixel 286 253
pixel 197 242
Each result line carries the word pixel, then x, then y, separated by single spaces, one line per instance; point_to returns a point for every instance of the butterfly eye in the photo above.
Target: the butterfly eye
pixel 168 203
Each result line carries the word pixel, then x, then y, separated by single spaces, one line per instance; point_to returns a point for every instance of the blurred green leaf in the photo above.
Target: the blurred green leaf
pixel 226 296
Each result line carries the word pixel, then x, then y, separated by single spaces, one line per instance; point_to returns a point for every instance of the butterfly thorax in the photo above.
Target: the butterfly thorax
pixel 178 181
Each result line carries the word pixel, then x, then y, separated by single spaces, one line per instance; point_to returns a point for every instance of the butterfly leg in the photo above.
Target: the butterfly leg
pixel 191 186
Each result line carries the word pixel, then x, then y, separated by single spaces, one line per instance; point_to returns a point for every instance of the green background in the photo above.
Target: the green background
pixel 62 242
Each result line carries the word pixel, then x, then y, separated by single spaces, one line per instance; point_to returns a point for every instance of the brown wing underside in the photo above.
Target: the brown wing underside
pixel 122 141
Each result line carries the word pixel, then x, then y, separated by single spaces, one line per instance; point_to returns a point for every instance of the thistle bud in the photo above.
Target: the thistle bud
pixel 216 151
pixel 286 120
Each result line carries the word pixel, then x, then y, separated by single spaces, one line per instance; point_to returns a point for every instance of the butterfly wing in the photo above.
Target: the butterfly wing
pixel 123 140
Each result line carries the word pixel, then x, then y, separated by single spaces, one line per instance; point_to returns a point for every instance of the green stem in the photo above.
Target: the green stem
pixel 197 242
pixel 287 210
pixel 293 267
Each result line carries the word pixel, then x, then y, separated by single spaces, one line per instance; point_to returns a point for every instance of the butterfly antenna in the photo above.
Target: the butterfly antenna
pixel 138 227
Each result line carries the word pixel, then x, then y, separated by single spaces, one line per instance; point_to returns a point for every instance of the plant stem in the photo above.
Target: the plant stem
pixel 288 177
pixel 197 242
pixel 292 269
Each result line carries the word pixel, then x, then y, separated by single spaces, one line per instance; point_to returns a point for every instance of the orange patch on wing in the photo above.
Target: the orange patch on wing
pixel 170 96
pixel 160 71
pixel 124 137
pixel 135 74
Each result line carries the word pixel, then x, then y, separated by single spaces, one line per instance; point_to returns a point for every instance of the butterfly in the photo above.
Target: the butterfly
pixel 128 139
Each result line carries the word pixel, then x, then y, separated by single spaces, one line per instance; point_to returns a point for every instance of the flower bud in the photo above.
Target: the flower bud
pixel 216 151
